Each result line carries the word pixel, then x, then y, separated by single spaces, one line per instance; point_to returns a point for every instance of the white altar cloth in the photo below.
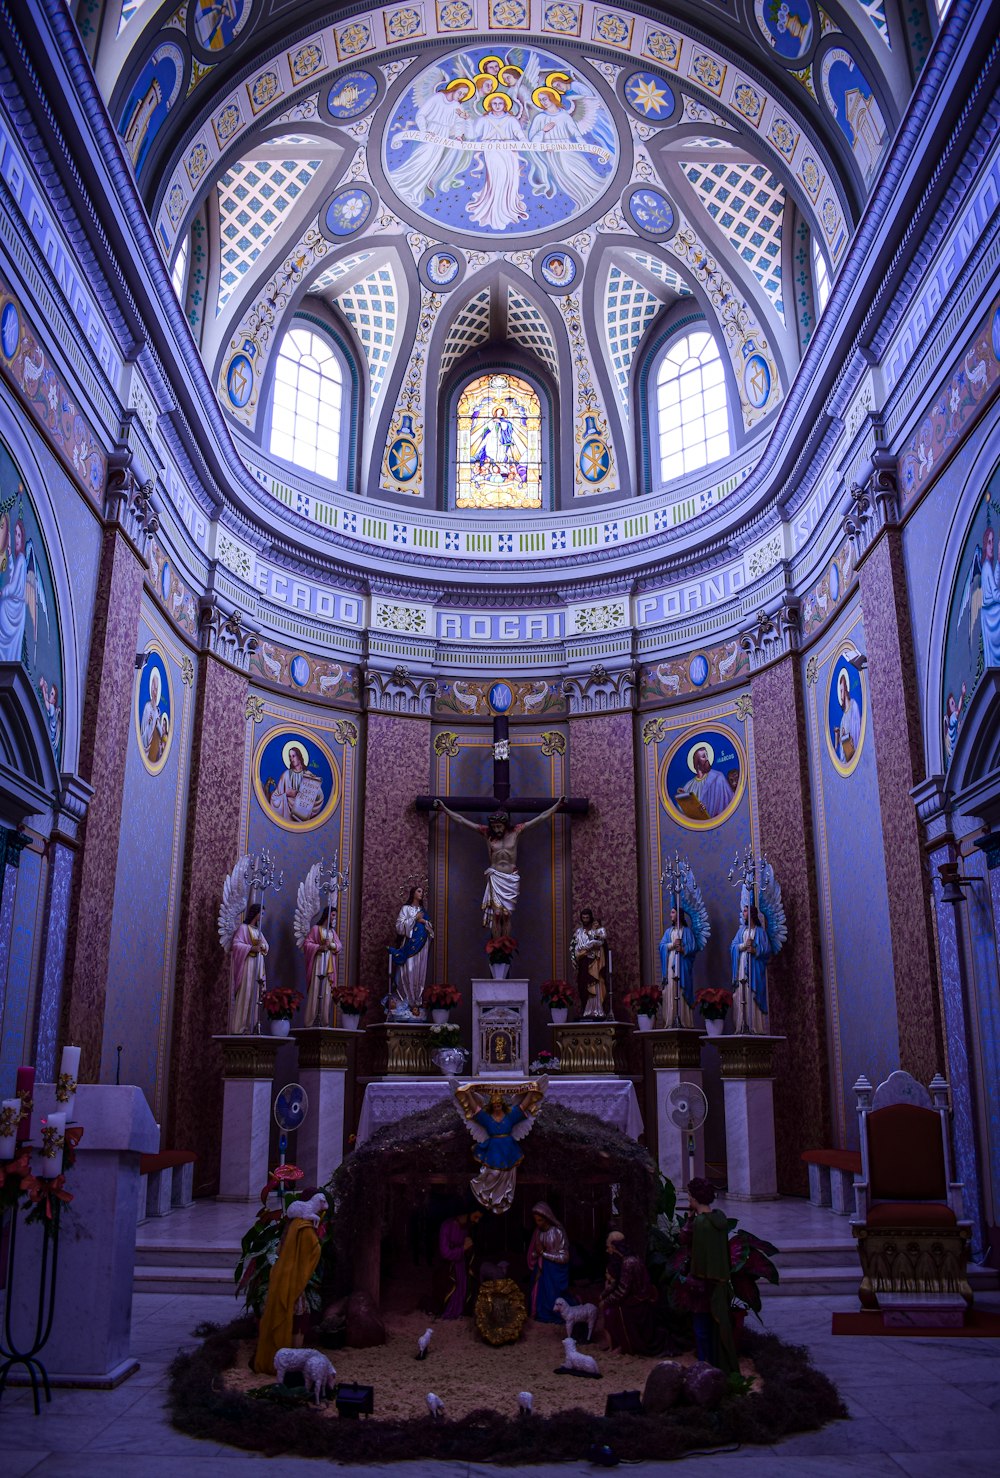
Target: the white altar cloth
pixel 610 1099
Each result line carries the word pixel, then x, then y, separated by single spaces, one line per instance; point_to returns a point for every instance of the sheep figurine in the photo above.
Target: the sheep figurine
pixel 312 1210
pixel 576 1364
pixel 573 1314
pixel 435 1406
pixel 424 1344
pixel 525 1403
pixel 317 1372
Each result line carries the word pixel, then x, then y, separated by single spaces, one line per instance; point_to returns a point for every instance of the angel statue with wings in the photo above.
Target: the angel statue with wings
pixel 759 937
pixel 316 936
pixel 685 936
pixel 242 938
pixel 498 1116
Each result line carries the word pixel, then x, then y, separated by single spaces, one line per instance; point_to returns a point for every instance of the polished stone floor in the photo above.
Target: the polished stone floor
pixel 922 1407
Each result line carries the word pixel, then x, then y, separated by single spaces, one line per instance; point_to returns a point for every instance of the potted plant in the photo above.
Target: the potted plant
pixel 500 952
pixel 545 1062
pixel 445 1049
pixel 644 1001
pixel 352 1002
pixel 750 1261
pixel 713 1002
pixel 441 999
pixel 280 1004
pixel 558 995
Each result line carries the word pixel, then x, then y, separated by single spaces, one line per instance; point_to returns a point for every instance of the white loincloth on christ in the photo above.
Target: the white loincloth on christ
pixel 502 889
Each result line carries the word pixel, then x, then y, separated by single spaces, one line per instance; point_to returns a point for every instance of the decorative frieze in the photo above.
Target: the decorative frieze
pixel 773 635
pixel 400 691
pixel 601 691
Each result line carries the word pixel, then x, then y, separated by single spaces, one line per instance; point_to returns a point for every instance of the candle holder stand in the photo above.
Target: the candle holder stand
pixel 13 1353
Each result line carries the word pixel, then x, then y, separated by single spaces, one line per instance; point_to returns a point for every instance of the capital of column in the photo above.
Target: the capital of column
pixel 128 503
pixel 75 796
pixel 872 508
pixel 933 807
pixel 400 691
pixel 773 635
pixel 601 691
pixel 746 1056
pixel 248 1056
pixel 224 635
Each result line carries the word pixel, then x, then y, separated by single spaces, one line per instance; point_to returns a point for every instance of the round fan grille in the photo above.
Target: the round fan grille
pixel 687 1106
pixel 291 1107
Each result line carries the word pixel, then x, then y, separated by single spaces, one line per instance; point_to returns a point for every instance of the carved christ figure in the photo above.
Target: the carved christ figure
pixel 503 881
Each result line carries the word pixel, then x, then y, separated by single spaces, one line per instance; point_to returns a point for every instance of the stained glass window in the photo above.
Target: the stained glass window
pixel 499 461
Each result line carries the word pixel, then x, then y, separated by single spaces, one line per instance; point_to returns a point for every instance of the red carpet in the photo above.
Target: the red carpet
pixel 978 1326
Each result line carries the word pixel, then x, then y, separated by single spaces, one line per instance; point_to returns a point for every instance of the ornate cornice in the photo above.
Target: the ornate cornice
pixel 601 691
pixel 250 1056
pixel 773 635
pixel 872 508
pixel 399 691
pixel 746 1057
pixel 224 635
pixel 128 503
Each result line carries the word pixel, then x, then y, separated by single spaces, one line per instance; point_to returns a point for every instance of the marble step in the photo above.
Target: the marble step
pixel 185 1255
pixel 192 1278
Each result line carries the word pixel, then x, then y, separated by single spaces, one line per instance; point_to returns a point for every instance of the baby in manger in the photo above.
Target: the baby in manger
pixel 498 1116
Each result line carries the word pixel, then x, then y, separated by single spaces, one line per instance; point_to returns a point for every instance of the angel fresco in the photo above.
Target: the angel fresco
pixel 981 598
pixel 22 594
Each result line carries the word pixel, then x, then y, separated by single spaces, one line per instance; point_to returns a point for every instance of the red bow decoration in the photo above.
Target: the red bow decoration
pixel 71 1138
pixel 45 1192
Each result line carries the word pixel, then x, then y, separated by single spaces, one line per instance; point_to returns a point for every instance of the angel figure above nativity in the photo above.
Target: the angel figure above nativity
pixel 759 937
pixel 684 938
pixel 317 937
pixel 498 1116
pixel 242 937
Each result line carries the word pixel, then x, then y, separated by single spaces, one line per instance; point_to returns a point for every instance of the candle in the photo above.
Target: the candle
pixel 69 1072
pixel 10 1112
pixel 50 1160
pixel 24 1087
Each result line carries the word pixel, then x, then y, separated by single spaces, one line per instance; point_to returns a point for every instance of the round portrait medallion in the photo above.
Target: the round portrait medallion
pixel 154 709
pixel 702 777
pixel 295 778
pixel 846 709
pixel 10 330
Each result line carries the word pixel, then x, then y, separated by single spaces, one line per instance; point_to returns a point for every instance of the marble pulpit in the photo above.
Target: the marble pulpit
pixel 499 1027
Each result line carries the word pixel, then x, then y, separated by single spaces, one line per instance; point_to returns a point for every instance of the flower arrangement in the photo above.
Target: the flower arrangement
pixel 445 1034
pixel 281 1002
pixel 352 999
pixel 557 993
pixel 714 1001
pixel 501 951
pixel 545 1062
pixel 441 997
pixel 644 1000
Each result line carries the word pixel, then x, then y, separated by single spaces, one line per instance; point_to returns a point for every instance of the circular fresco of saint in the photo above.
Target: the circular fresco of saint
pixel 501 142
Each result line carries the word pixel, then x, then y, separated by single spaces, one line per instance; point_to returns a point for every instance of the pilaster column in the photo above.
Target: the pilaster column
pixel 871 523
pixel 107 717
pixel 394 837
pixel 796 998
pixel 63 849
pixel 201 988
pixel 605 859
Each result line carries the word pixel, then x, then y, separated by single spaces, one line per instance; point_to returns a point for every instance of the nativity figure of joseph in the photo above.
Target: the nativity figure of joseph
pixel 503 881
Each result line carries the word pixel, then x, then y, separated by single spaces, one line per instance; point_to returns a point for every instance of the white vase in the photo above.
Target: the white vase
pixel 559 1014
pixel 439 1015
pixel 280 1026
pixel 349 1020
pixel 500 972
pixel 644 1023
pixel 715 1028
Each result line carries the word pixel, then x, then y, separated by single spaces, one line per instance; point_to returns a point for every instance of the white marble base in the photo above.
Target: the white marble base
pixel 92 1326
pixel 751 1167
pixel 319 1145
pixel 246 1138
pixel 489 993
pixel 672 1142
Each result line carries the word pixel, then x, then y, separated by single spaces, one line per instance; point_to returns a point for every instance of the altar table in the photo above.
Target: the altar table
pixel 611 1100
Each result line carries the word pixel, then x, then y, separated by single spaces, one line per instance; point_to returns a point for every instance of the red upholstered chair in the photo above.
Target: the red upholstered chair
pixel 911 1234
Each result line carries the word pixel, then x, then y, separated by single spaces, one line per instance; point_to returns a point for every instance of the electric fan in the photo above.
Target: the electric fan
pixel 290 1109
pixel 687 1108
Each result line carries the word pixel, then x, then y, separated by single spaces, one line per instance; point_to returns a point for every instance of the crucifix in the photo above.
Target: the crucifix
pixel 503 880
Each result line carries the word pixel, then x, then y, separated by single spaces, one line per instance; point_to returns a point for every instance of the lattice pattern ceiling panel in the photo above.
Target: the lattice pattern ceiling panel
pixel 527 326
pixel 254 195
pixel 340 269
pixel 471 327
pixel 371 308
pixel 629 309
pixel 663 272
pixel 747 204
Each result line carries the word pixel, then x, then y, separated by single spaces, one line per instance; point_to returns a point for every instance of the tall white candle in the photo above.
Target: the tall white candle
pixel 69 1072
pixel 53 1131
pixel 10 1113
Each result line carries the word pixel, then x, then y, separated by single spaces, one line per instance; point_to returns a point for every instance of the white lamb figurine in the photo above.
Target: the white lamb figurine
pixel 573 1314
pixel 312 1210
pixel 317 1372
pixel 576 1364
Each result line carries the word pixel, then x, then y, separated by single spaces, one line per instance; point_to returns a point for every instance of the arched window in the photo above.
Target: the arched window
pixel 499 443
pixel 179 274
pixel 691 410
pixel 821 277
pixel 307 403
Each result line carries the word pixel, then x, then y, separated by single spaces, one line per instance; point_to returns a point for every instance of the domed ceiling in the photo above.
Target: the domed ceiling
pixel 544 188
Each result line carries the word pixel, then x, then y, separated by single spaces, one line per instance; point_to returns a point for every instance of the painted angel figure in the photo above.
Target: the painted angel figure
pixel 316 936
pixel 564 162
pixel 22 595
pixel 759 937
pixel 685 936
pixel 498 1126
pixel 243 940
pixel 440 124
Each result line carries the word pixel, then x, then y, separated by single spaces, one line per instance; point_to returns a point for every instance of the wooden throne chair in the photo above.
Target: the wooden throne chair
pixel 913 1239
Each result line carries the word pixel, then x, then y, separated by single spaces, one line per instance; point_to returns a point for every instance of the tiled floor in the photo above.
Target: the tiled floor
pixel 922 1407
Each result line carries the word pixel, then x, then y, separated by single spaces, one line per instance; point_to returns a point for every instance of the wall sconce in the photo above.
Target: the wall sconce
pixel 141 658
pixel 952 882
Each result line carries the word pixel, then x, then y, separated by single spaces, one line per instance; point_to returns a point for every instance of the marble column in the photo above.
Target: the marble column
pixel 326 1061
pixel 211 847
pixel 394 834
pixel 796 1002
pixel 12 844
pixel 672 1059
pixel 248 1067
pixel 604 853
pixel 104 737
pixel 894 697
pixel 747 1067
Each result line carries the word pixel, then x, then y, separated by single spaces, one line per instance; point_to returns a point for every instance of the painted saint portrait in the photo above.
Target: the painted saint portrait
pixel 973 641
pixel 157 88
pixel 500 143
pixel 702 778
pixel 296 779
pixel 154 709
pixel 846 709
pixel 216 23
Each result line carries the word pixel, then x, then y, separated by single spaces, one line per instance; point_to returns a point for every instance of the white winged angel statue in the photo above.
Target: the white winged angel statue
pixel 316 935
pixel 498 1116
pixel 760 935
pixel 242 938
